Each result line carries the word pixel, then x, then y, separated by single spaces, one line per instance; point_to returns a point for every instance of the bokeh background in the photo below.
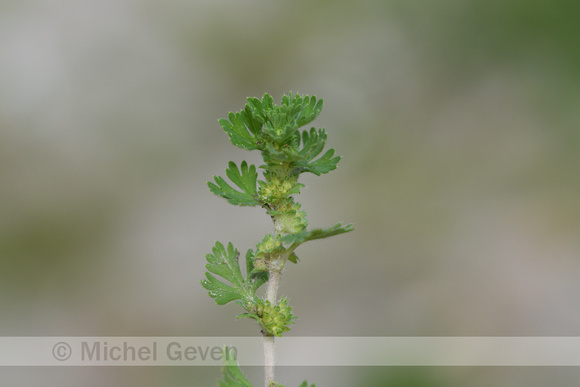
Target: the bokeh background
pixel 458 123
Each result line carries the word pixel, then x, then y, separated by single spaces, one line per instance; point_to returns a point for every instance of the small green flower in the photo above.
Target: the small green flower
pixel 269 254
pixel 274 320
pixel 291 221
pixel 269 244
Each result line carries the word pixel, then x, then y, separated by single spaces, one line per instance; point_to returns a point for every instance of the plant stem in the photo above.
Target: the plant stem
pixel 273 281
pixel 269 343
pixel 269 357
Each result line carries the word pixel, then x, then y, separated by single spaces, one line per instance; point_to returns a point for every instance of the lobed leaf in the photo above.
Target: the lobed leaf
pixel 309 110
pixel 312 145
pixel 224 263
pixel 242 130
pixel 324 164
pixel 244 178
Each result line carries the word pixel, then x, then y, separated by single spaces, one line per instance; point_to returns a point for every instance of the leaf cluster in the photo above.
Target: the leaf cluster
pixel 262 122
pixel 275 131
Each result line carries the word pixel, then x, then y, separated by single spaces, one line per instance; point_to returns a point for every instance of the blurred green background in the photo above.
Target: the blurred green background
pixel 458 123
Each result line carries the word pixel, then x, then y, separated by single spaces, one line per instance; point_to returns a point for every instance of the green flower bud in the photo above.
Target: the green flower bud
pixel 274 319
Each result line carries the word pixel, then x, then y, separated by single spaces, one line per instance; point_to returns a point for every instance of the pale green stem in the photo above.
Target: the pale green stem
pixel 269 343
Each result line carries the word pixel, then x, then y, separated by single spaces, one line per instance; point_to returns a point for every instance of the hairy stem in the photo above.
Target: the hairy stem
pixel 273 282
pixel 269 343
pixel 269 357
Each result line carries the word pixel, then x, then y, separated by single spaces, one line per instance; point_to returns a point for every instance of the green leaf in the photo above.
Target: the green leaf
pixel 224 263
pixel 319 233
pixel 312 145
pixel 243 129
pixel 305 384
pixel 309 110
pixel 244 178
pixel 324 164
pixel 260 109
pixel 233 376
pixel 248 315
pixel 293 258
pixel 263 120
